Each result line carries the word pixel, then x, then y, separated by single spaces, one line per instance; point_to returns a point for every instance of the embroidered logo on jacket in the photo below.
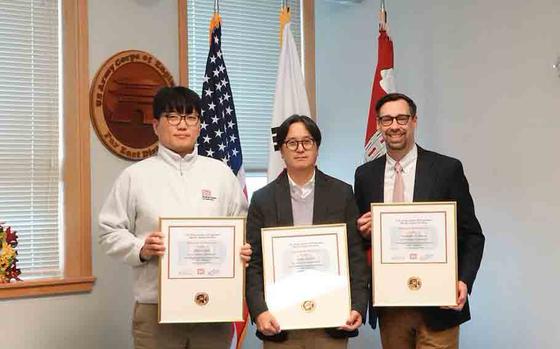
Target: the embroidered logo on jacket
pixel 207 195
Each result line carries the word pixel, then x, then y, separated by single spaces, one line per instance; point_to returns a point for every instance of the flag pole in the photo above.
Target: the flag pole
pixel 382 16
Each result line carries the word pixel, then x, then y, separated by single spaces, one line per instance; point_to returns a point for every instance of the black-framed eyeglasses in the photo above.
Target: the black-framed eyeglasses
pixel 306 143
pixel 174 119
pixel 402 119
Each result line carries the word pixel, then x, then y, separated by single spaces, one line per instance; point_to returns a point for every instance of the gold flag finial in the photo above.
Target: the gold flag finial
pixel 214 22
pixel 285 18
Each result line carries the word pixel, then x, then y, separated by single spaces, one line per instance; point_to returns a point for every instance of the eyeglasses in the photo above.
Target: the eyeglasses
pixel 402 119
pixel 174 119
pixel 306 143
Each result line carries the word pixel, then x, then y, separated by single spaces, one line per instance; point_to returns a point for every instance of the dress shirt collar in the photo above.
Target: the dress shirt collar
pixel 301 191
pixel 406 162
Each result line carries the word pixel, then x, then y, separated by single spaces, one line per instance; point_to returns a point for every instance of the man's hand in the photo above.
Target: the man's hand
pixel 461 296
pixel 354 321
pixel 364 225
pixel 267 324
pixel 246 253
pixel 153 246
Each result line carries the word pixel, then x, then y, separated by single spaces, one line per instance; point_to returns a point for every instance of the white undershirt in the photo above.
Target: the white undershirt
pixel 408 163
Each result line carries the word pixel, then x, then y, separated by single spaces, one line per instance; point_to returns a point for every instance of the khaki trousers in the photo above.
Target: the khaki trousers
pixel 148 334
pixel 403 328
pixel 308 339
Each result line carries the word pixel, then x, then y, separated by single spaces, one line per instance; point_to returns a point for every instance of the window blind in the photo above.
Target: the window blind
pixel 250 44
pixel 30 181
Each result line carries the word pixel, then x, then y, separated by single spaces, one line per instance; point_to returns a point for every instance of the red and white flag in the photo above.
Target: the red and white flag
pixel 383 83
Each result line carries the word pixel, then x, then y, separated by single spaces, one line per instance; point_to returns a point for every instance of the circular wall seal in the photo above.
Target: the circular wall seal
pixel 121 97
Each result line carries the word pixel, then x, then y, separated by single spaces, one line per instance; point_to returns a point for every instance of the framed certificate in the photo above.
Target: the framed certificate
pixel 414 259
pixel 306 278
pixel 201 276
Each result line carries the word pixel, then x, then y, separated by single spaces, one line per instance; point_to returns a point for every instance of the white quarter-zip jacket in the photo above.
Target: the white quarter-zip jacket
pixel 165 185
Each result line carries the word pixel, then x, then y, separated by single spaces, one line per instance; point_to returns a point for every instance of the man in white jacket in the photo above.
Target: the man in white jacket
pixel 176 182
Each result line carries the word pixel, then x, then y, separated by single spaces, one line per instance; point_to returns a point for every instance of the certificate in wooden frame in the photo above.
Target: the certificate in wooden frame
pixel 414 259
pixel 306 275
pixel 201 275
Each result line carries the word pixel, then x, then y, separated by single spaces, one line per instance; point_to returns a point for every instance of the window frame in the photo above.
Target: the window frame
pixel 76 179
pixel 308 61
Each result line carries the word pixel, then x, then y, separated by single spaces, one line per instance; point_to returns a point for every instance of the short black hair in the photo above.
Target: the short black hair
pixel 176 99
pixel 309 124
pixel 391 97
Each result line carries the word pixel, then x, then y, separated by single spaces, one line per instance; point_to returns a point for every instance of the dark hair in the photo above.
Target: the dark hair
pixel 391 97
pixel 309 124
pixel 176 99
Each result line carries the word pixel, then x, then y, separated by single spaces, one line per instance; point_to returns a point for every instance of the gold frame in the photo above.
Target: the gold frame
pixel 269 232
pixel 415 268
pixel 236 221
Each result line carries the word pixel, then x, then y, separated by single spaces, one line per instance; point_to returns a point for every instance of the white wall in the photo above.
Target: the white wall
pixel 116 26
pixel 481 73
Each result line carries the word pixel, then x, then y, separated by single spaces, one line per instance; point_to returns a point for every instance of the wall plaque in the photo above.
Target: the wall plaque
pixel 121 97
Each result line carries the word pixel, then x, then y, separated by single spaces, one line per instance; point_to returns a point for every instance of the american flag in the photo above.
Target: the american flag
pixel 219 135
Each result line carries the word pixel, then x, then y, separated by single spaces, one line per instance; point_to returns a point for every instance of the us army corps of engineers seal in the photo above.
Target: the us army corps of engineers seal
pixel 121 97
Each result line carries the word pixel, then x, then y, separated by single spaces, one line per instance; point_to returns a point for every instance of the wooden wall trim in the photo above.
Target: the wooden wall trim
pixel 76 167
pixel 308 25
pixel 183 47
